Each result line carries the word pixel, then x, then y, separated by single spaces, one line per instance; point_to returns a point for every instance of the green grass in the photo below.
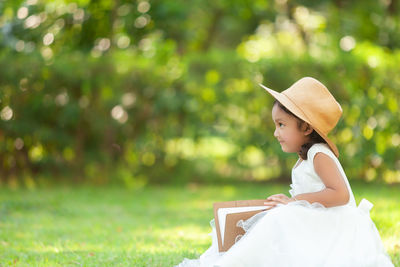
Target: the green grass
pixel 155 226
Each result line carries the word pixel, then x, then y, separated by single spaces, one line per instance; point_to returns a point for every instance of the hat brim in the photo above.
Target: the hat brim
pixel 332 145
pixel 292 107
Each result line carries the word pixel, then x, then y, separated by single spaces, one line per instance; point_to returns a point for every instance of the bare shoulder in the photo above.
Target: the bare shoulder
pixel 331 176
pixel 326 168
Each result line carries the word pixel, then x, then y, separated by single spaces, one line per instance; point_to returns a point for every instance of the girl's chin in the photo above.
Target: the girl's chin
pixel 285 149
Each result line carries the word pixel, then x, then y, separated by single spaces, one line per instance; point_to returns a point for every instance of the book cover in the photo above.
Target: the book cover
pixel 228 213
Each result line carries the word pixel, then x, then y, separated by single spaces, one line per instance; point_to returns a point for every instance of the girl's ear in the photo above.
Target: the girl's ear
pixel 308 129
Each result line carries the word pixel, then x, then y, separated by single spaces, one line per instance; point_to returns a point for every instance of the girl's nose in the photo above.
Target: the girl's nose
pixel 276 133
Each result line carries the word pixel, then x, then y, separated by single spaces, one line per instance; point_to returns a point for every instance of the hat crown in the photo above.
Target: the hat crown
pixel 320 108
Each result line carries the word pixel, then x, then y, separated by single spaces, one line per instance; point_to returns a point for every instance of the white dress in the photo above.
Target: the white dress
pixel 303 234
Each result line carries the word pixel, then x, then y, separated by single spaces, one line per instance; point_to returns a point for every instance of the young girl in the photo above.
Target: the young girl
pixel 320 224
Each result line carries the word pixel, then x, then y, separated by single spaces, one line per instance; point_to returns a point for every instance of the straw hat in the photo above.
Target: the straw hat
pixel 312 102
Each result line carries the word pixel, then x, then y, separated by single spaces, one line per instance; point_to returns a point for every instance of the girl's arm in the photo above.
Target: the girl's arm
pixel 336 192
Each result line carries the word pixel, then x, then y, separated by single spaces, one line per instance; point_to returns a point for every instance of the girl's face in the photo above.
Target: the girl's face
pixel 287 131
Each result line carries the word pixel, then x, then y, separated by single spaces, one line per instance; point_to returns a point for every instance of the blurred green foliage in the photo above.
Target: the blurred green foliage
pixel 159 91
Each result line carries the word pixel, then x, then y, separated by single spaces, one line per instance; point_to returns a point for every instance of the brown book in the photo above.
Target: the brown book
pixel 227 214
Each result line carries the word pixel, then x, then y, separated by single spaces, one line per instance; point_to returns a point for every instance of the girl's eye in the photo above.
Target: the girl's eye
pixel 280 124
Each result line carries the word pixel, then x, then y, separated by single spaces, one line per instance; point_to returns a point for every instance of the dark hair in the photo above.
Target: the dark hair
pixel 314 136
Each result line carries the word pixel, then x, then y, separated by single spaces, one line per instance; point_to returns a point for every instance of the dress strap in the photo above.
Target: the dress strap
pixel 319 147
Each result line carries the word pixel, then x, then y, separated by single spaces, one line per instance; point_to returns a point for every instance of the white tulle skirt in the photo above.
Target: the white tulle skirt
pixel 302 234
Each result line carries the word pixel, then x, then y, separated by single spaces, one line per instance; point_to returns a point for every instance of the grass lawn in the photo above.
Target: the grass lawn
pixel 155 226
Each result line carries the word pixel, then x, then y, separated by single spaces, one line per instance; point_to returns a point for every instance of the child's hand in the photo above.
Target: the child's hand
pixel 274 200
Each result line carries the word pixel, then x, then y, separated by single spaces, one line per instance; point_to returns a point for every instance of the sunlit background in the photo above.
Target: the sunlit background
pixel 142 92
